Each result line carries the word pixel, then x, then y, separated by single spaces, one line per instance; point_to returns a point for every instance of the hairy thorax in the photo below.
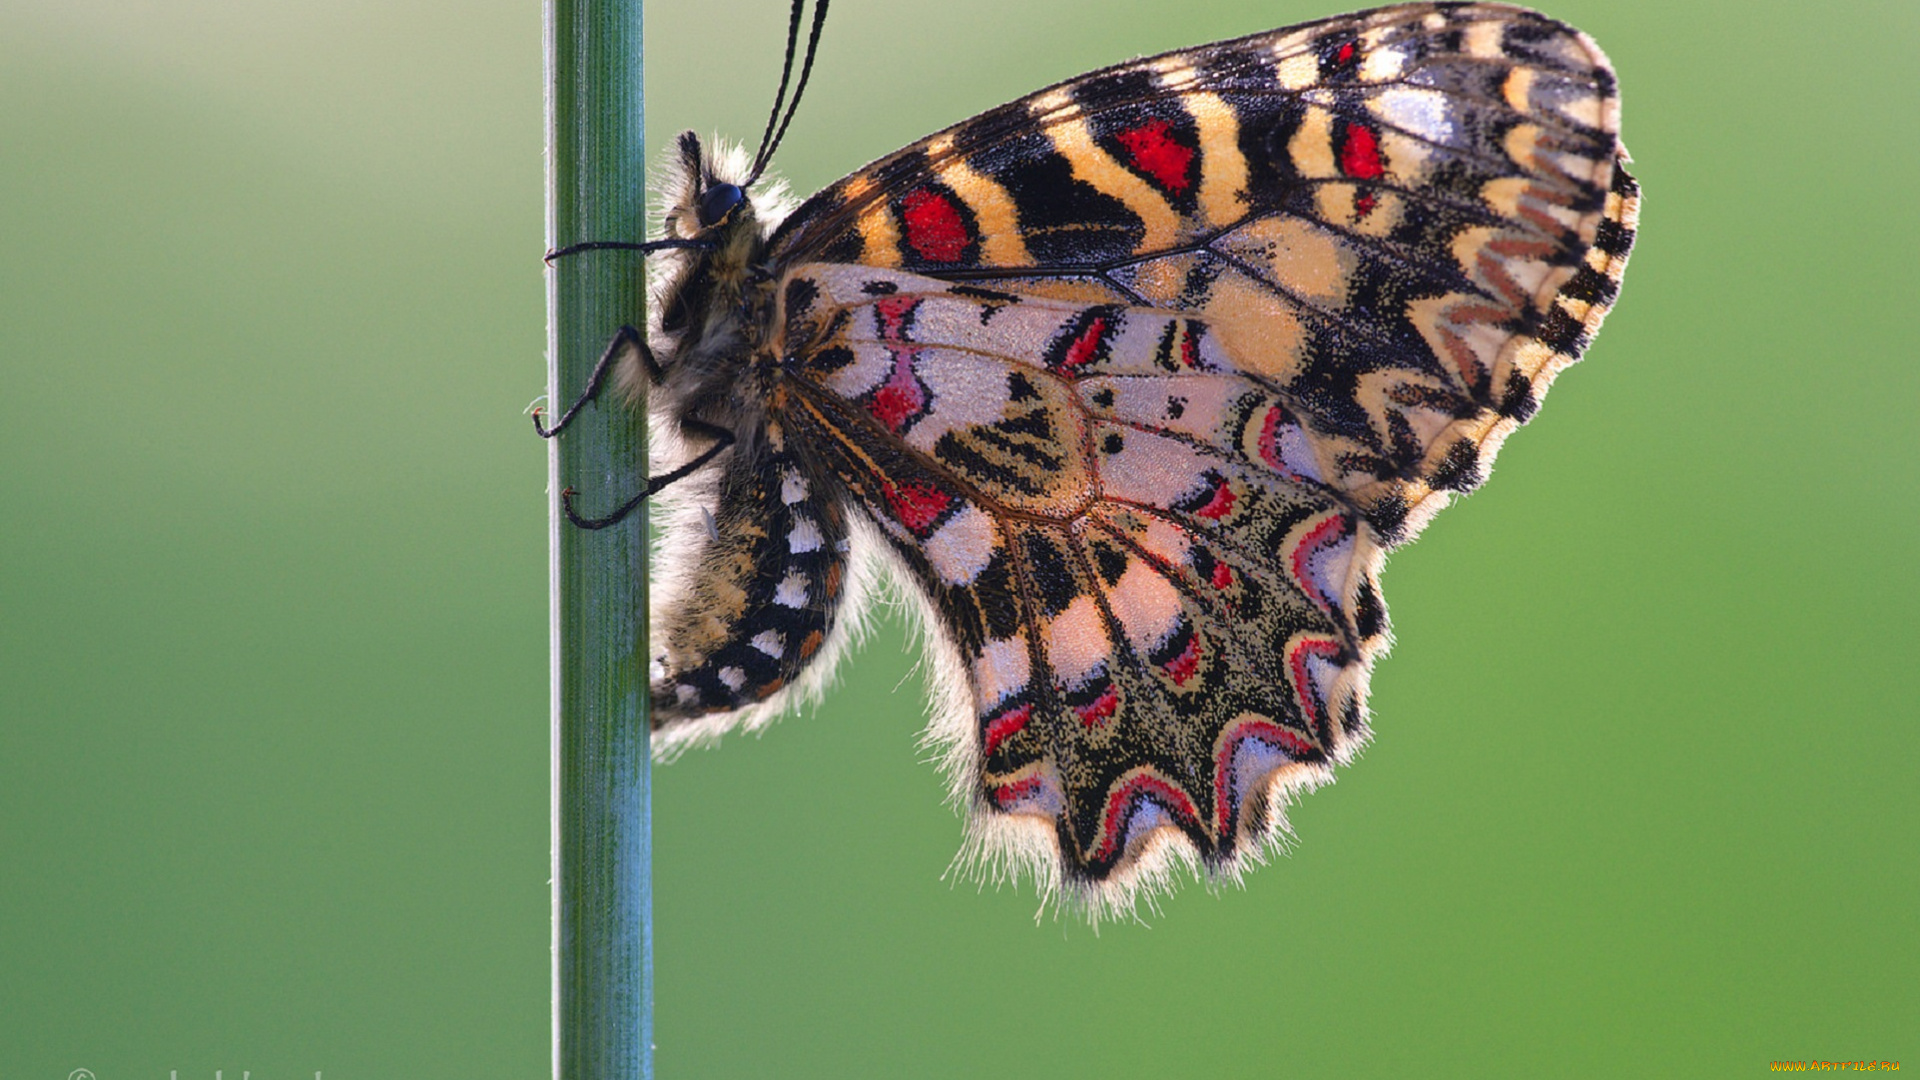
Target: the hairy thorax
pixel 713 302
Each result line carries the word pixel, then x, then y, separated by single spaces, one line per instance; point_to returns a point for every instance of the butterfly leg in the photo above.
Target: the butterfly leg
pixel 722 438
pixel 624 340
pixel 626 245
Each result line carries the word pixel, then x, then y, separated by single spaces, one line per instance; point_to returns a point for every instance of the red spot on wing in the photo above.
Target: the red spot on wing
pixel 1101 709
pixel 894 313
pixel 1345 55
pixel 893 405
pixel 1155 153
pixel 935 229
pixel 901 397
pixel 916 505
pixel 1181 668
pixel 1221 504
pixel 1363 204
pixel 1360 153
pixel 1222 576
pixel 1006 726
pixel 1083 348
pixel 1123 801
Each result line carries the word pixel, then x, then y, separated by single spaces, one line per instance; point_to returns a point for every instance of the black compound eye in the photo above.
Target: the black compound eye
pixel 717 202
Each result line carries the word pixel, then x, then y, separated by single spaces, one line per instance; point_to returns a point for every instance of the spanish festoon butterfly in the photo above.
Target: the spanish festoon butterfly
pixel 1132 384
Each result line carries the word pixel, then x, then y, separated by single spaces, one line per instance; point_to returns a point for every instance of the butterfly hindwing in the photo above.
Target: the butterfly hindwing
pixel 1159 611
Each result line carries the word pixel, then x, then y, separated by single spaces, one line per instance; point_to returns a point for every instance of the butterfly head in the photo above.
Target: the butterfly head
pixel 710 198
pixel 708 193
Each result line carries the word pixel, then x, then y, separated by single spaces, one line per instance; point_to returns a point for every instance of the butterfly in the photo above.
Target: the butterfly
pixel 1130 386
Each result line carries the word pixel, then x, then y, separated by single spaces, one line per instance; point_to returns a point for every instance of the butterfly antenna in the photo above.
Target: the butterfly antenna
pixel 770 141
pixel 779 99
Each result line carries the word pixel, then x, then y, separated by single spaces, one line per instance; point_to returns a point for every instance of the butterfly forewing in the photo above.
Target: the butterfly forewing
pixel 1139 377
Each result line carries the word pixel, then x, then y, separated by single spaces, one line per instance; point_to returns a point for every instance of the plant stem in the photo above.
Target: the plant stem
pixel 602 821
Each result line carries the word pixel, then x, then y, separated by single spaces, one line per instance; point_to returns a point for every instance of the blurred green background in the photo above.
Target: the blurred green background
pixel 273 776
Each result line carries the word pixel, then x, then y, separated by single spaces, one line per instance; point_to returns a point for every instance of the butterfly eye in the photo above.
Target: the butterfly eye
pixel 717 202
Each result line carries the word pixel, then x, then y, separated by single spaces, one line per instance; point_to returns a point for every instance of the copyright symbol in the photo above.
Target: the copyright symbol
pixel 80 1074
